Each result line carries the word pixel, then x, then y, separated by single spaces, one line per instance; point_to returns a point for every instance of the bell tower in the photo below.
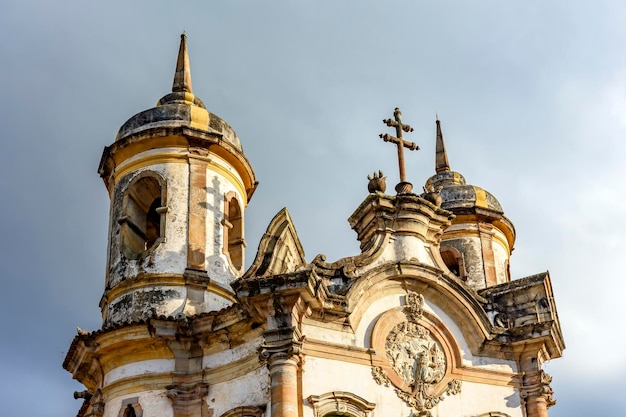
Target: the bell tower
pixel 179 184
pixel 477 246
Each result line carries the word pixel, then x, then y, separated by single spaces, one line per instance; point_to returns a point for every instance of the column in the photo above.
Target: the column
pixel 282 351
pixel 537 393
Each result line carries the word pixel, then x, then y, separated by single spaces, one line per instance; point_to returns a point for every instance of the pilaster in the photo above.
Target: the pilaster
pixel 537 393
pixel 282 351
pixel 197 212
pixel 188 399
pixel 486 233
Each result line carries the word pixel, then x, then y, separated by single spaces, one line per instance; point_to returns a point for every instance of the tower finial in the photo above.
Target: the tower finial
pixel 441 156
pixel 182 76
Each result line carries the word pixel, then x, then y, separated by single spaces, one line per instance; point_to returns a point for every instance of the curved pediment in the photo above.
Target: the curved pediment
pixel 464 306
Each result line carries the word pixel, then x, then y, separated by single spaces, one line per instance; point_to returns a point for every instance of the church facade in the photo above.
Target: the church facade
pixel 425 321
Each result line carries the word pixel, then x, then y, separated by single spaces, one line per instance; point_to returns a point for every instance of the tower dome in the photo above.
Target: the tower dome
pixel 180 108
pixel 179 184
pixel 478 244
pixel 458 196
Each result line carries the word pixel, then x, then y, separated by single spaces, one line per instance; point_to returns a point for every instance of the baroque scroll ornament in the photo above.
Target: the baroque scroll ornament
pixel 418 359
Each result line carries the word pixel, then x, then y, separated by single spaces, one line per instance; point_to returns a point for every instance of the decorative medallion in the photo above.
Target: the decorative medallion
pixel 417 359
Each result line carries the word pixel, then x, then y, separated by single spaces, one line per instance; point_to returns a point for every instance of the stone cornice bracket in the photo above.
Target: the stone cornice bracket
pixel 187 397
pixel 536 386
pixel 97 404
pixel 83 361
pixel 281 301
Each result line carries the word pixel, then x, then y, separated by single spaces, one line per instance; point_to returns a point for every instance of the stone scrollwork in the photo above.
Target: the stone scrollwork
pixel 415 355
pixel 286 350
pixel 380 376
pixel 418 359
pixel 282 345
pixel 414 306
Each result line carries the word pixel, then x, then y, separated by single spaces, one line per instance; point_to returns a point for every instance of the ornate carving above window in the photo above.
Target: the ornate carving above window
pixel 143 215
pixel 340 403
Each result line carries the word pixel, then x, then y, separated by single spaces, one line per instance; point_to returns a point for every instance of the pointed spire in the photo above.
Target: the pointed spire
pixel 182 76
pixel 441 156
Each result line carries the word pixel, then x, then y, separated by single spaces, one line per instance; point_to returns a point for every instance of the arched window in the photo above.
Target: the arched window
pixel 130 411
pixel 340 403
pixel 454 261
pixel 143 215
pixel 234 242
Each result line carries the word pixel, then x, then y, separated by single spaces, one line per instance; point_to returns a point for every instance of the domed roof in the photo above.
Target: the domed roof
pixel 180 108
pixel 456 195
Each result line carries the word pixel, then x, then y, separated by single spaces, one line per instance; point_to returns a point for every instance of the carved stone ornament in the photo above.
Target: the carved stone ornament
pixel 418 359
pixel 377 182
pixel 537 384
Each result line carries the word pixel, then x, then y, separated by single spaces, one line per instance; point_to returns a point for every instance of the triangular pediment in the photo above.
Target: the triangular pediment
pixel 280 250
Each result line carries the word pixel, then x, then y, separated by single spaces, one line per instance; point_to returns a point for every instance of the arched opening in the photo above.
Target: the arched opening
pixel 143 221
pixel 130 408
pixel 234 242
pixel 130 411
pixel 453 259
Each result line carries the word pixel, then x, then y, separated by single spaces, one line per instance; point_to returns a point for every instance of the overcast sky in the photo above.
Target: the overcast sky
pixel 532 98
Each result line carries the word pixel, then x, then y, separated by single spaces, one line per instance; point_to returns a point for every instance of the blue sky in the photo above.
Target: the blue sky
pixel 532 98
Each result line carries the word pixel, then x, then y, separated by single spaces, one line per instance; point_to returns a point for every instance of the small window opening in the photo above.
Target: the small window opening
pixel 130 411
pixel 142 218
pixel 153 223
pixel 130 408
pixel 234 242
pixel 454 261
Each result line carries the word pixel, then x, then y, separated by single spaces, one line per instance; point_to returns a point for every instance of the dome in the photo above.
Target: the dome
pixel 458 196
pixel 179 109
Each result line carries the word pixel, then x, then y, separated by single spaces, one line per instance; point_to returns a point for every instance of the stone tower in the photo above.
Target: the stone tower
pixel 477 246
pixel 425 321
pixel 179 184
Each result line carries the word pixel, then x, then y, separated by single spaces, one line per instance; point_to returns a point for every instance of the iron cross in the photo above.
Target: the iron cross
pixel 398 140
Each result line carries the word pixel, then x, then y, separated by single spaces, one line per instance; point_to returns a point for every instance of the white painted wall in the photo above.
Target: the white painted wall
pixel 153 366
pixel 252 389
pixel 154 403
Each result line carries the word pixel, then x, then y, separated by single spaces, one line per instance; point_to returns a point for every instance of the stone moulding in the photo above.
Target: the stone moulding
pixel 280 250
pixel 246 411
pixel 340 402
